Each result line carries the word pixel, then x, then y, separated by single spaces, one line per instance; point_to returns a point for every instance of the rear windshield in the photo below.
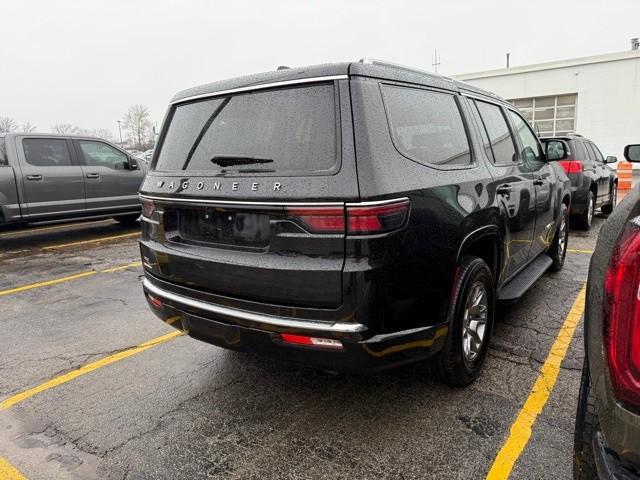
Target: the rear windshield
pixel 282 131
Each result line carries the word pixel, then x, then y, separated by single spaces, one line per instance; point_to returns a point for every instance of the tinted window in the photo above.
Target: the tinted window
pixel 590 153
pixel 531 150
pixel 498 132
pixel 3 153
pixel 98 154
pixel 46 152
pixel 287 130
pixel 483 133
pixel 426 126
pixel 597 153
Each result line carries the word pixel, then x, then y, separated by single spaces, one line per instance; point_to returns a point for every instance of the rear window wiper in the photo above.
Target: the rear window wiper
pixel 231 160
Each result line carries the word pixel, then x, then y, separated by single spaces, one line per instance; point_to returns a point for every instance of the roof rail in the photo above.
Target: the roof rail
pixel 384 63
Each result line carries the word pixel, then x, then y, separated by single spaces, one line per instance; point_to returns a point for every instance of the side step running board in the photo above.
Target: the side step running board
pixel 522 282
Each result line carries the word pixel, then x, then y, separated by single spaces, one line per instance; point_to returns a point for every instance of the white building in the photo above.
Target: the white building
pixel 598 97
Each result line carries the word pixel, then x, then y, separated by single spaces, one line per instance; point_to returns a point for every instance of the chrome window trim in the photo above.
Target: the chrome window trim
pixel 241 202
pixel 378 202
pixel 261 87
pixel 258 319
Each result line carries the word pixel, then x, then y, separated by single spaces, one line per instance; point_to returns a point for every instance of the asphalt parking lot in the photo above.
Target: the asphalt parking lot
pixel 70 297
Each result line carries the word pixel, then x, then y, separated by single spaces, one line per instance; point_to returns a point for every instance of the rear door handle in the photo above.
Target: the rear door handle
pixel 538 182
pixel 93 175
pixel 34 178
pixel 504 190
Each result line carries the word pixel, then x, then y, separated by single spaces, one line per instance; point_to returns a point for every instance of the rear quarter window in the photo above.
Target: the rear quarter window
pixel 286 131
pixel 426 126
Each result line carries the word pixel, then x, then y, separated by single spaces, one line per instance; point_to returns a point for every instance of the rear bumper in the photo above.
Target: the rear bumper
pixel 362 352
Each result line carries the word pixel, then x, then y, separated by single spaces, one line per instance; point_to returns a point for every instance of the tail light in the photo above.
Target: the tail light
pixel 330 343
pixel 356 219
pixel 622 317
pixel 572 166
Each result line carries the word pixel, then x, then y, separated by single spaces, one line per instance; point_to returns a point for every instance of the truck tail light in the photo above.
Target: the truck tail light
pixel 622 317
pixel 356 219
pixel 572 166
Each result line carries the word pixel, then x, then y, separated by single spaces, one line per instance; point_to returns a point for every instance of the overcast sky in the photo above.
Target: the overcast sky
pixel 85 61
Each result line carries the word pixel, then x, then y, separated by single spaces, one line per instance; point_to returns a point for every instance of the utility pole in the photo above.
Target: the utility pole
pixel 436 60
pixel 508 55
pixel 120 130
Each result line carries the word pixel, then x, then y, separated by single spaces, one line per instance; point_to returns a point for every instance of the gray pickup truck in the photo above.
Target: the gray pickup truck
pixel 46 178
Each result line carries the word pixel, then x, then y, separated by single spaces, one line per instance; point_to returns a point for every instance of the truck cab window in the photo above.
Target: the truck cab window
pixel 46 152
pixel 98 154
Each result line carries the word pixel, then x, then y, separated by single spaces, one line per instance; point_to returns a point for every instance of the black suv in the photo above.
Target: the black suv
pixel 593 183
pixel 350 216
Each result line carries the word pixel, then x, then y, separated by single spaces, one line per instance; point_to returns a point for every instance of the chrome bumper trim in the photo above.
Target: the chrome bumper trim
pixel 258 319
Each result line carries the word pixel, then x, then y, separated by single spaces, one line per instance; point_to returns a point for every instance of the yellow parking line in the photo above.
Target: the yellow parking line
pixel 94 240
pixel 69 278
pixel 89 367
pixel 521 428
pixel 572 250
pixel 9 472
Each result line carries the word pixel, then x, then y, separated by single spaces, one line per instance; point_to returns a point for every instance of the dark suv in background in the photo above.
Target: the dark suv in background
pixel 593 184
pixel 607 434
pixel 350 216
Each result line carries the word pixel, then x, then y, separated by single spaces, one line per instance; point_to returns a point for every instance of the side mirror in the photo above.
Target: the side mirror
pixel 556 149
pixel 133 165
pixel 611 159
pixel 632 153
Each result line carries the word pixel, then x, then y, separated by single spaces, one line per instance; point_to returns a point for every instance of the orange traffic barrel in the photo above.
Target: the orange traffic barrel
pixel 625 174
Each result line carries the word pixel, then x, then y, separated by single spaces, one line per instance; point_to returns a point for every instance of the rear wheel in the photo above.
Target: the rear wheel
pixel 584 466
pixel 129 220
pixel 558 249
pixel 471 321
pixel 613 200
pixel 584 220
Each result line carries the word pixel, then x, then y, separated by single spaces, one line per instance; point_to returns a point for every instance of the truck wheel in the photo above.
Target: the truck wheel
pixel 584 466
pixel 128 220
pixel 613 199
pixel 583 221
pixel 470 324
pixel 558 249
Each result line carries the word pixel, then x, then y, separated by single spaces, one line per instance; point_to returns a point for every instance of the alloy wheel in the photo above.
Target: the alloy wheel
pixel 474 323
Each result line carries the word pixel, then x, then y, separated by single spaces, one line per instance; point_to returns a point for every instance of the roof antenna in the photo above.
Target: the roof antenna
pixel 436 60
pixel 508 55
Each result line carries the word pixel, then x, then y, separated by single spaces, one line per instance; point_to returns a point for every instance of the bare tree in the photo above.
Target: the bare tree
pixel 64 129
pixel 137 124
pixel 103 133
pixel 27 127
pixel 7 124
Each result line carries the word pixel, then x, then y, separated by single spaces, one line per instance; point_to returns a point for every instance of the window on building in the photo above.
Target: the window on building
pixel 550 116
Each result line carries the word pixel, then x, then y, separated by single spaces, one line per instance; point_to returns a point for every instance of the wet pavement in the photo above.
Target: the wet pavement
pixel 183 409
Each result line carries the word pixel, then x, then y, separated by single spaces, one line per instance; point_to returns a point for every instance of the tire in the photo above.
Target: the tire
pixel 128 220
pixel 613 200
pixel 584 464
pixel 558 249
pixel 583 221
pixel 461 359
